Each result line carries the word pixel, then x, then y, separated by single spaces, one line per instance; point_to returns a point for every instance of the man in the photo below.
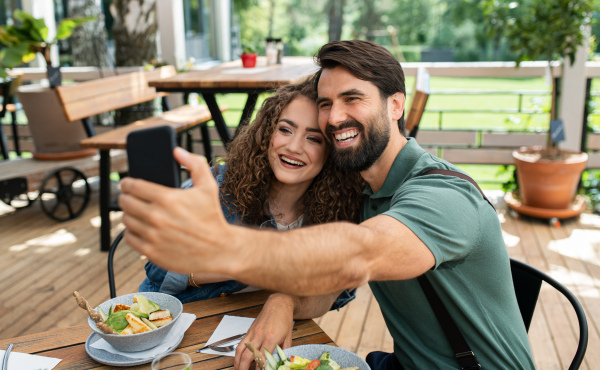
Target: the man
pixel 412 225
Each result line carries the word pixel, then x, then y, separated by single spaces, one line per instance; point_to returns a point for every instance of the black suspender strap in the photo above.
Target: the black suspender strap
pixel 464 355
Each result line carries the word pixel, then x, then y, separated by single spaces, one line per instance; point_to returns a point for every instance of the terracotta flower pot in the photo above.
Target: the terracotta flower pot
pixel 249 60
pixel 548 183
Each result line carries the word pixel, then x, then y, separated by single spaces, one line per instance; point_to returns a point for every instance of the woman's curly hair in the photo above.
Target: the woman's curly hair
pixel 333 195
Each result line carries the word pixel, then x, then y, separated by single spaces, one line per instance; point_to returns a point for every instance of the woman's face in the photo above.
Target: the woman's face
pixel 298 149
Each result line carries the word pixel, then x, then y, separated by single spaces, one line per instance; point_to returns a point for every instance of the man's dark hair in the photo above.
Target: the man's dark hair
pixel 367 61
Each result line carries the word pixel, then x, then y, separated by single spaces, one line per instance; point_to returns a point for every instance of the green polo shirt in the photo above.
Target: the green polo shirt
pixel 471 273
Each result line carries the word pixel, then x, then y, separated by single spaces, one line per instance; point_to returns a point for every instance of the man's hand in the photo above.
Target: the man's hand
pixel 167 225
pixel 272 326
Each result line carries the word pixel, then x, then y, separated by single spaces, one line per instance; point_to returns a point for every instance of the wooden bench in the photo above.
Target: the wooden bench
pixel 86 99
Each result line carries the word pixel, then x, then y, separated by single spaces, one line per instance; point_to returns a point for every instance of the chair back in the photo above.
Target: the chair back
pixel 89 98
pixel 417 107
pixel 527 281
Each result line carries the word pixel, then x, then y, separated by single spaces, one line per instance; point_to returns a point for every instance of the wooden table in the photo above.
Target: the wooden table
pixel 68 344
pixel 231 77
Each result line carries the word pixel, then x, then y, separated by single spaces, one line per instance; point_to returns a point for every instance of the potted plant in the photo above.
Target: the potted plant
pixel 31 37
pixel 53 135
pixel 551 29
pixel 249 57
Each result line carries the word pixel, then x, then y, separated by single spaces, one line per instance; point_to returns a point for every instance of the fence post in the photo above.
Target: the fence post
pixel 572 100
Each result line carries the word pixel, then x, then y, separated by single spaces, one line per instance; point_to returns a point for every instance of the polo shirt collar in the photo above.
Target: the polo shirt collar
pixel 400 170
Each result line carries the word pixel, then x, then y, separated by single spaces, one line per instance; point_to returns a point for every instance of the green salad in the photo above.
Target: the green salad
pixel 300 363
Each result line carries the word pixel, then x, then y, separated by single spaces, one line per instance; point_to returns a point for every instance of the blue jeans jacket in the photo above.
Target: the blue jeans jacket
pixel 159 280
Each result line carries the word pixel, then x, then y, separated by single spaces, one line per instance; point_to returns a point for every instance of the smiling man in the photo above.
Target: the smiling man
pixel 413 224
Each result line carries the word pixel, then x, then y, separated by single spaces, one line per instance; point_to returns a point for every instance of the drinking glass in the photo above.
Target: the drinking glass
pixel 172 361
pixel 275 224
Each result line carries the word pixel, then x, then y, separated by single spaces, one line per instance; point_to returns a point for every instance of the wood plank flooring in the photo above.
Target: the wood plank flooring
pixel 42 262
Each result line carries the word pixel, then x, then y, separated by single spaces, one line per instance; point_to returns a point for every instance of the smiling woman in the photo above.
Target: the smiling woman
pixel 277 167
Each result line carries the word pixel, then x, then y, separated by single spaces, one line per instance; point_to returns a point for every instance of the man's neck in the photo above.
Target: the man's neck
pixel 376 175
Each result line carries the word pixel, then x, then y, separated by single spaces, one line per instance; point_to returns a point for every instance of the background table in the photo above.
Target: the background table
pixel 231 77
pixel 68 344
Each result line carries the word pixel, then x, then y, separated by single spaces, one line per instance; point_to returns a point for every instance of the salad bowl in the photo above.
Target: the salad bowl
pixel 141 341
pixel 343 357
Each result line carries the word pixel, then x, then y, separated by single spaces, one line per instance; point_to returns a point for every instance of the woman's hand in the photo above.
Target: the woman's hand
pixel 272 326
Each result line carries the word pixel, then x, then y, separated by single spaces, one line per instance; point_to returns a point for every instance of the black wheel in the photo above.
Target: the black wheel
pixel 64 194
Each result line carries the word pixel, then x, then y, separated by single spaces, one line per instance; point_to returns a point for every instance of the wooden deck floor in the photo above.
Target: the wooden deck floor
pixel 42 262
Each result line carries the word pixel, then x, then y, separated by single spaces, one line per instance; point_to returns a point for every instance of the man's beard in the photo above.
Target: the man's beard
pixel 374 140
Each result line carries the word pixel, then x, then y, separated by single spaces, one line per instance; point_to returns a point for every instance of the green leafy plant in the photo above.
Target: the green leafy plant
pixel 540 29
pixel 247 49
pixel 29 37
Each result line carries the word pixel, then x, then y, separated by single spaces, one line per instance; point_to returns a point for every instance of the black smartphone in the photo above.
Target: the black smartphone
pixel 150 155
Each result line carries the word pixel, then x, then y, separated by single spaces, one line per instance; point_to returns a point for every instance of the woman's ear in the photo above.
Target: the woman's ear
pixel 396 104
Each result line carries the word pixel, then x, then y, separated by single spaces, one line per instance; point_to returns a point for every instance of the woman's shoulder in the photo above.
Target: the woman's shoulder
pixel 219 171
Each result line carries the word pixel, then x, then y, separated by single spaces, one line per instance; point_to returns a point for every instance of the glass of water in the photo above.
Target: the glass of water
pixel 172 361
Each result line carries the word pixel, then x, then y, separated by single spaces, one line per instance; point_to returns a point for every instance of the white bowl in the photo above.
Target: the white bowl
pixel 343 357
pixel 141 341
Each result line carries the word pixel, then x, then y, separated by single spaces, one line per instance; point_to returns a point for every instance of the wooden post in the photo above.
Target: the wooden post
pixel 572 98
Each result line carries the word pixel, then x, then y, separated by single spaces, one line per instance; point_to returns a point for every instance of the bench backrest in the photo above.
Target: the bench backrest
pixel 89 98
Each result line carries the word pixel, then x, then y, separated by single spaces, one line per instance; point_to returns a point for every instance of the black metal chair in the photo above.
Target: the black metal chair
pixel 113 247
pixel 527 281
pixel 111 269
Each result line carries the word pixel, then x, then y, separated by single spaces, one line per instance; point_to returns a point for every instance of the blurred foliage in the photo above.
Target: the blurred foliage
pixel 30 36
pixel 590 188
pixel 458 25
pixel 540 29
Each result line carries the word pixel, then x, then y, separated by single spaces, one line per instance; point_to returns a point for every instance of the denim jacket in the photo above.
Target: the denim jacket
pixel 159 280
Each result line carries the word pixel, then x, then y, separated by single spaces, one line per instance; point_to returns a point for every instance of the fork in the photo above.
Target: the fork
pixel 230 347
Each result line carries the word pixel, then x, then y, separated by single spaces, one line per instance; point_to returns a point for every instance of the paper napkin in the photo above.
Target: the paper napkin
pixel 228 327
pixel 25 361
pixel 182 324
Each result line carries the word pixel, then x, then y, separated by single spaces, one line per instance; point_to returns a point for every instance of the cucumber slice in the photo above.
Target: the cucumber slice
pixel 104 316
pixel 282 356
pixel 271 360
pixel 110 310
pixel 149 323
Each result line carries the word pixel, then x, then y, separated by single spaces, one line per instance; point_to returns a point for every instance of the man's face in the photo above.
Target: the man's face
pixel 354 117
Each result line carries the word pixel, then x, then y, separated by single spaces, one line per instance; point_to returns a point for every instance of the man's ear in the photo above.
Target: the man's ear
pixel 396 104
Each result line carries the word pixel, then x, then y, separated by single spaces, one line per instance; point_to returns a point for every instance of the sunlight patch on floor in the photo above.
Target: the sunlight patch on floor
pixel 510 240
pixel 82 252
pixel 581 244
pixel 47 242
pixel 590 219
pixel 95 221
pixel 6 209
pixel 578 282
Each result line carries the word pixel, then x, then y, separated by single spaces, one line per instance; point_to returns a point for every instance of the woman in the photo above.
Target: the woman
pixel 277 168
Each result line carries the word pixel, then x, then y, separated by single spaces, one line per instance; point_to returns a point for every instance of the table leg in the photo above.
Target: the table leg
pixel 208 153
pixel 104 200
pixel 217 116
pixel 248 110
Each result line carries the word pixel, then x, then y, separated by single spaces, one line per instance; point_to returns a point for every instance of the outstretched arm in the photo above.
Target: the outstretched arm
pixel 184 230
pixel 275 321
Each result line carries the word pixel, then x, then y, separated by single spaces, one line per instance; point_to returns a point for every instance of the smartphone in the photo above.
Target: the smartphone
pixel 150 155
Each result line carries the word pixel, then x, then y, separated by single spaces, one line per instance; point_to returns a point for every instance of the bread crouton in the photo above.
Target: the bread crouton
pixel 136 323
pixel 159 315
pixel 120 307
pixel 162 322
pixel 128 330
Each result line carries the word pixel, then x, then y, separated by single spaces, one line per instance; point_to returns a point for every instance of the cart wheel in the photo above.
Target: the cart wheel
pixel 554 222
pixel 64 194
